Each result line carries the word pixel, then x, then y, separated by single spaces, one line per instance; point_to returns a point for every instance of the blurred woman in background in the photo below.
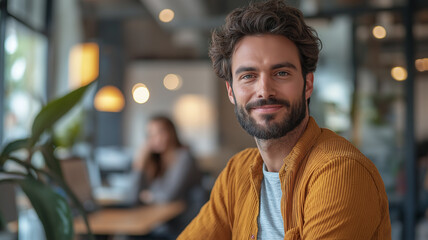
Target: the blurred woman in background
pixel 169 171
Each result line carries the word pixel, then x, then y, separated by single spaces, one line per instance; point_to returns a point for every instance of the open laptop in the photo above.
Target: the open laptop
pixel 122 191
pixel 84 179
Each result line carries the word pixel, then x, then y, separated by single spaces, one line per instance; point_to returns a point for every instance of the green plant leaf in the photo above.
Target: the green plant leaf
pixel 53 111
pixel 11 147
pixel 76 202
pixel 52 209
pixel 14 176
pixel 50 160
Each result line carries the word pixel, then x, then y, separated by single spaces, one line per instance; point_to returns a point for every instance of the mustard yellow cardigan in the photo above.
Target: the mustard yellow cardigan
pixel 330 190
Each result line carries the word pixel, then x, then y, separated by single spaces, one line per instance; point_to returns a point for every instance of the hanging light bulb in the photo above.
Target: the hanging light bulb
pixel 421 64
pixel 399 73
pixel 172 82
pixel 109 99
pixel 379 32
pixel 83 64
pixel 166 15
pixel 140 93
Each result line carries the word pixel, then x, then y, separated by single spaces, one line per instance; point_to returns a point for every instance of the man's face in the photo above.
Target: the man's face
pixel 268 89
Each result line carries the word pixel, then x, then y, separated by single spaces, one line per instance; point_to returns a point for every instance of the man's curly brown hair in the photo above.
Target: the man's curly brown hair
pixel 269 17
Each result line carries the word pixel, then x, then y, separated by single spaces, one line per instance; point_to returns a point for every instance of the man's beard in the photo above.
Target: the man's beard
pixel 272 130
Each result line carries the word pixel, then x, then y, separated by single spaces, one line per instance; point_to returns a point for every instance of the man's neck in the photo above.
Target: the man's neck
pixel 274 151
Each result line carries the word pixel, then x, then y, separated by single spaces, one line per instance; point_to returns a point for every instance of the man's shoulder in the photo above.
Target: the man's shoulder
pixel 328 137
pixel 333 147
pixel 319 146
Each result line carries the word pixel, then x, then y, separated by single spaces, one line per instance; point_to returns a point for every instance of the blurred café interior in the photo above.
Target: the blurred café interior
pixel 149 57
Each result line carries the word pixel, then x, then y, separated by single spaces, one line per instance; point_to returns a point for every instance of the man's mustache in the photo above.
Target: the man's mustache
pixel 269 101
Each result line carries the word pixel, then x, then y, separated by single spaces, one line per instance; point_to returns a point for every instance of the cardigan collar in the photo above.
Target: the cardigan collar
pixel 298 152
pixel 302 147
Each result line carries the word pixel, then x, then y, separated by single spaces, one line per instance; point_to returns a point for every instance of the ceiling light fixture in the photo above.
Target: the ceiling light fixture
pixel 399 73
pixel 109 99
pixel 421 64
pixel 83 64
pixel 379 32
pixel 166 15
pixel 140 93
pixel 172 82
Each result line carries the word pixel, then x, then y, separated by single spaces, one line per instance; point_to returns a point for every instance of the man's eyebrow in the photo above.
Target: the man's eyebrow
pixel 244 69
pixel 284 65
pixel 276 66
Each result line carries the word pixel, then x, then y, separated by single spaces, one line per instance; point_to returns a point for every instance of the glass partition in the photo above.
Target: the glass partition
pixel 25 79
pixel 421 118
pixel 32 12
pixel 333 85
pixel 379 114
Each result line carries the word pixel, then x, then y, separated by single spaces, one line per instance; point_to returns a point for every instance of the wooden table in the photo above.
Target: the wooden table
pixel 129 221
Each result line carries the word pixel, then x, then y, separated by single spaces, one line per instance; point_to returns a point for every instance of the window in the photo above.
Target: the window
pixel 25 79
pixel 32 12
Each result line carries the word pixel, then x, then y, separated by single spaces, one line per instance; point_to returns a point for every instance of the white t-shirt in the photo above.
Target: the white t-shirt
pixel 270 222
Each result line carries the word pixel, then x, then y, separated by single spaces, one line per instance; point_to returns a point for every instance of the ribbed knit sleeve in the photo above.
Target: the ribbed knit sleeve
pixel 342 202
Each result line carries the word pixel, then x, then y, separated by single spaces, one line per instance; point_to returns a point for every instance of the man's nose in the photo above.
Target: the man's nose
pixel 265 87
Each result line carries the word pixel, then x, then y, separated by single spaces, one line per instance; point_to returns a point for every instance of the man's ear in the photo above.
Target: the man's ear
pixel 230 92
pixel 309 85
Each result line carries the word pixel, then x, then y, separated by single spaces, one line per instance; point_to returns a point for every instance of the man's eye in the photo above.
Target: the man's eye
pixel 282 73
pixel 247 76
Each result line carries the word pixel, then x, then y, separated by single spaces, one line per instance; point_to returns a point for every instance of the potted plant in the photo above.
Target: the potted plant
pixel 37 183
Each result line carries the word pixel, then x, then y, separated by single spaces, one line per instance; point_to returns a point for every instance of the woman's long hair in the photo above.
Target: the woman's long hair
pixel 155 158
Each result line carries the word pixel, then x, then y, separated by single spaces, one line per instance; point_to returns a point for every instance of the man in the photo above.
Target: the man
pixel 301 182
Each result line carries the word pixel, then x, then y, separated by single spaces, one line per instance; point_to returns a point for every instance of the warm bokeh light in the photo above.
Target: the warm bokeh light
pixel 421 64
pixel 109 99
pixel 83 64
pixel 379 32
pixel 399 73
pixel 193 111
pixel 172 81
pixel 140 93
pixel 166 15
